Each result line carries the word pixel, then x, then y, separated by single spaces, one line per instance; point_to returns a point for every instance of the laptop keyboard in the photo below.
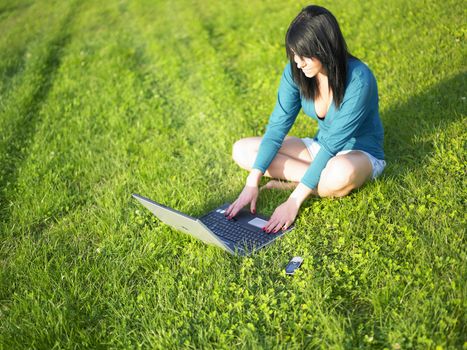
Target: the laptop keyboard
pixel 235 232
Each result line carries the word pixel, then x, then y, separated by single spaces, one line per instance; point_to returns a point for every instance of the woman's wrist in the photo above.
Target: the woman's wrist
pixel 254 177
pixel 300 193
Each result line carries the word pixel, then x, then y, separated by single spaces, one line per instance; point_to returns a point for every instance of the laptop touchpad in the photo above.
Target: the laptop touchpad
pixel 258 222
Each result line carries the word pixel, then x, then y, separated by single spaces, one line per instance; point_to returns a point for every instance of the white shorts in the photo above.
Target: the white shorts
pixel 378 164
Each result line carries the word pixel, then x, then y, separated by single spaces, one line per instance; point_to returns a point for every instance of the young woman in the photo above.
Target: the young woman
pixel 334 88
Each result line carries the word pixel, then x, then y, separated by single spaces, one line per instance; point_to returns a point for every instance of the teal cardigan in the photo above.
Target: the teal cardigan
pixel 354 126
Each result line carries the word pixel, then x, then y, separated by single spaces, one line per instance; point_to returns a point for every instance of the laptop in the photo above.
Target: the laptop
pixel 242 235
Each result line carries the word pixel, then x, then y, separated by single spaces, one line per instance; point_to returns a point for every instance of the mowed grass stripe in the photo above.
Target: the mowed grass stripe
pixel 66 143
pixel 55 227
pixel 198 85
pixel 23 113
pixel 13 43
pixel 23 47
pixel 57 308
pixel 19 28
pixel 77 139
pixel 66 231
pixel 24 35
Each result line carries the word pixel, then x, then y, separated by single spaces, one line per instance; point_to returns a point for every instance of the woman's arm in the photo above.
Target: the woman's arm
pixel 281 120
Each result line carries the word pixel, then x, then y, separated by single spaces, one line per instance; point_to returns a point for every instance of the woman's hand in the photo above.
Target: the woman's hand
pixel 283 216
pixel 248 195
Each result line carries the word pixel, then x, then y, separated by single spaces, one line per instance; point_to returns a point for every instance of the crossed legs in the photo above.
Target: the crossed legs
pixel 342 174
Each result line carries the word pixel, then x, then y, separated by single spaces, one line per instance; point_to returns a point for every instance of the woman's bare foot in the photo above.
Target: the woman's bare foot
pixel 279 185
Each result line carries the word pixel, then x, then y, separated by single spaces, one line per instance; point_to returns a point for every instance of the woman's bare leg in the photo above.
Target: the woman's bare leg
pixel 292 147
pixel 342 174
pixel 291 160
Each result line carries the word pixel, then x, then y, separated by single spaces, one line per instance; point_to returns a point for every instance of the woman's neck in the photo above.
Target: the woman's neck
pixel 322 84
pixel 322 78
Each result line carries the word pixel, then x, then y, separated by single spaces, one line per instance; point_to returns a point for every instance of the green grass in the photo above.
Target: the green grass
pixel 98 101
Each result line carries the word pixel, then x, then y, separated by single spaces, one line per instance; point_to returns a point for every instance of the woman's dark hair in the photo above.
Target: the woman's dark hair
pixel 315 33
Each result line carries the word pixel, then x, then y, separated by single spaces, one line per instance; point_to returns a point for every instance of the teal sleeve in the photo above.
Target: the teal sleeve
pixel 281 120
pixel 345 123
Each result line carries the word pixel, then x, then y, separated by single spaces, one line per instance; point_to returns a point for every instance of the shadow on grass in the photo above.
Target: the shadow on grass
pixel 406 125
pixel 18 144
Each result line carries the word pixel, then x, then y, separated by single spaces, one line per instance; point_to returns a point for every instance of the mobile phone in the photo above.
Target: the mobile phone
pixel 293 265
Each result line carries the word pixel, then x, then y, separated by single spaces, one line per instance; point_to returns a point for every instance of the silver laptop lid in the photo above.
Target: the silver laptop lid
pixel 182 222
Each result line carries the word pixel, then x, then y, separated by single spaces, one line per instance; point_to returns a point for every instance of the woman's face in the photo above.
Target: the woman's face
pixel 309 66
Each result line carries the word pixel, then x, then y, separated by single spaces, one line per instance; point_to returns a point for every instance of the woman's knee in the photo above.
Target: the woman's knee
pixel 337 178
pixel 244 150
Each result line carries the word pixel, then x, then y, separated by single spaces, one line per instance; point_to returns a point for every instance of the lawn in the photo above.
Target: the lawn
pixel 99 100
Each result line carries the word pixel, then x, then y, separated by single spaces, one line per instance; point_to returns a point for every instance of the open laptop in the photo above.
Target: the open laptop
pixel 240 236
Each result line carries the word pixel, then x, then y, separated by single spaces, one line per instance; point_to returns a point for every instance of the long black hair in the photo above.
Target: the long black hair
pixel 315 33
